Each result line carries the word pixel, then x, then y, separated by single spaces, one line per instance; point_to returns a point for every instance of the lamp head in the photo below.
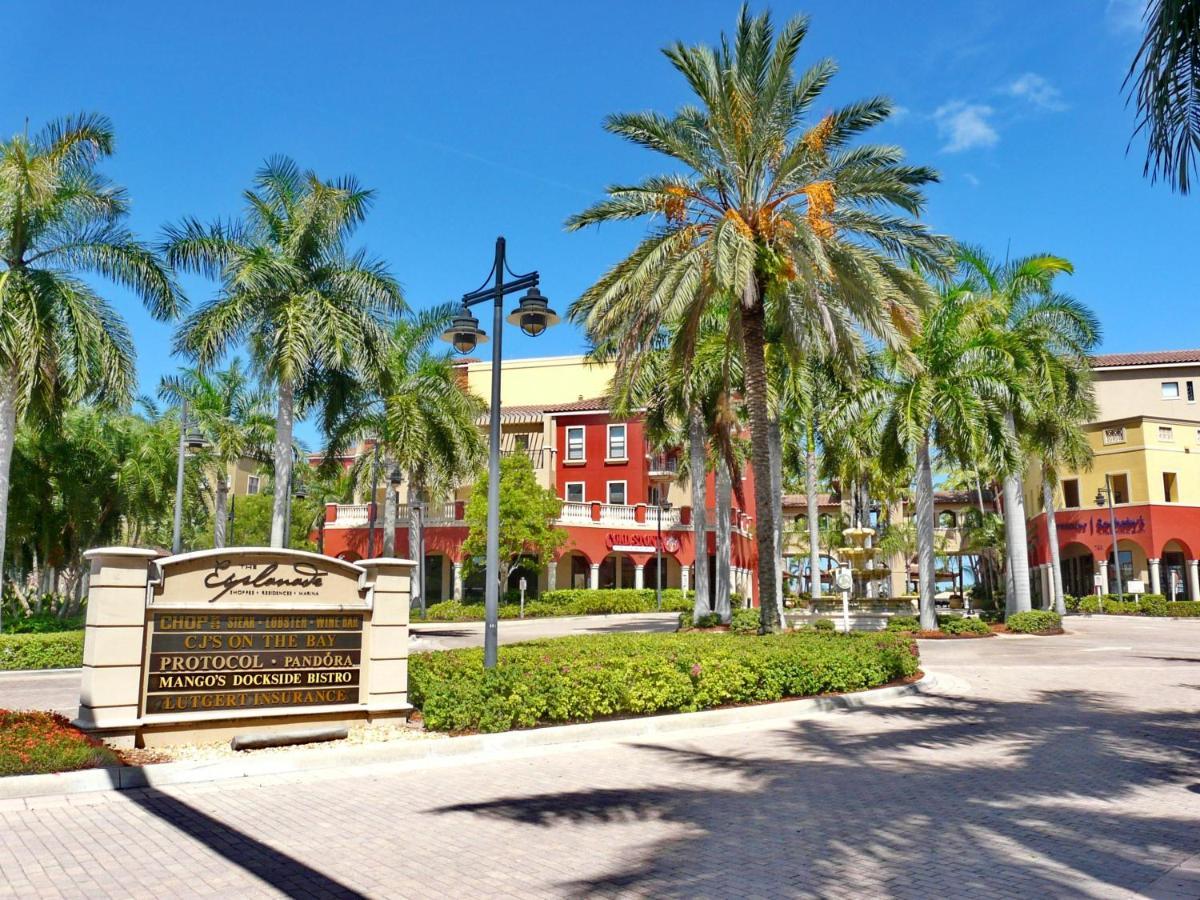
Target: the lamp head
pixel 533 314
pixel 395 476
pixel 464 333
pixel 195 439
pixel 301 492
pixel 1100 497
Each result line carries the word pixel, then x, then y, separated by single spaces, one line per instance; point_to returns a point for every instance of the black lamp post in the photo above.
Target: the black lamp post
pixel 663 506
pixel 190 438
pixel 534 316
pixel 1102 494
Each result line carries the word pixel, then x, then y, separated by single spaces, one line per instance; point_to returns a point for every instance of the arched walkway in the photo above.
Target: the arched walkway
pixel 574 571
pixel 616 571
pixel 1078 569
pixel 1134 565
pixel 1173 572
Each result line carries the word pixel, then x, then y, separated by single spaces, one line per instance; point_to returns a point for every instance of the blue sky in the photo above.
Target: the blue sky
pixel 474 119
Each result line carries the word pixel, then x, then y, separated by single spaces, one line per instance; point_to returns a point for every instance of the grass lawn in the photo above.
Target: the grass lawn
pixel 37 742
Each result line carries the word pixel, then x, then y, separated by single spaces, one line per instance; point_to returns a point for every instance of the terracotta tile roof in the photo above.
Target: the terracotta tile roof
pixel 1149 358
pixel 591 404
pixel 802 500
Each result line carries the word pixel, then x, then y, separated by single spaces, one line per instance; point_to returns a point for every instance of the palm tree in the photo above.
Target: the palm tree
pixel 1046 336
pixel 424 420
pixel 234 415
pixel 60 341
pixel 1057 438
pixel 308 308
pixel 767 210
pixel 1164 79
pixel 953 400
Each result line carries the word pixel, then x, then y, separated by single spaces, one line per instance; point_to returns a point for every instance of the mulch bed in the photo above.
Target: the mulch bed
pixel 942 636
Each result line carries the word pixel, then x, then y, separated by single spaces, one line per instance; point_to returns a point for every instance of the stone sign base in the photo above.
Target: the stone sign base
pixel 204 646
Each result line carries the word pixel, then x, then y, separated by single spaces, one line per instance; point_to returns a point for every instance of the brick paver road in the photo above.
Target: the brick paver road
pixel 1069 767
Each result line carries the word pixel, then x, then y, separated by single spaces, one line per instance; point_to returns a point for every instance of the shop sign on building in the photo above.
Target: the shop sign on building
pixel 225 641
pixel 634 542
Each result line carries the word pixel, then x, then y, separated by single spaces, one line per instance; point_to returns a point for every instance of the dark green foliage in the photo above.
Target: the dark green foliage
pixel 712 620
pixel 583 678
pixel 962 625
pixel 56 650
pixel 745 621
pixel 824 625
pixel 40 623
pixel 904 623
pixel 566 603
pixel 1149 605
pixel 1035 621
pixel 1184 608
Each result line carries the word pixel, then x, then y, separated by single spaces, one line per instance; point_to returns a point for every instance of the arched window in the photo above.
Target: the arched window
pixel 947 519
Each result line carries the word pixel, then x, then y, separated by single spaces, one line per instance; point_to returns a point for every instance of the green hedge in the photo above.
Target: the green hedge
pixel 54 650
pixel 962 625
pixel 567 603
pixel 1035 621
pixel 745 621
pixel 1183 608
pixel 583 678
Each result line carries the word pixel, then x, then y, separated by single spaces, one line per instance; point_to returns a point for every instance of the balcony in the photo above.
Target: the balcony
pixel 662 466
pixel 611 515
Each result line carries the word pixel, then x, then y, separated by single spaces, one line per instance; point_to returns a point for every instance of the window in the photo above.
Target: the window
pixel 946 519
pixel 616 442
pixel 616 493
pixel 1191 392
pixel 252 484
pixel 521 441
pixel 1170 390
pixel 1114 435
pixel 1170 487
pixel 1166 433
pixel 575 443
pixel 1070 488
pixel 1120 488
pixel 574 491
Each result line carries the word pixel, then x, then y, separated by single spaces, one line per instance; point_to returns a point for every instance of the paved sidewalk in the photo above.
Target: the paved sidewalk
pixel 1069 768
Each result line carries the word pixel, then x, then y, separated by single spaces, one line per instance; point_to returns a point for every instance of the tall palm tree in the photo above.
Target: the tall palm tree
pixel 308 307
pixel 425 422
pixel 1164 79
pixel 953 401
pixel 234 414
pixel 61 341
pixel 1046 336
pixel 1056 436
pixel 765 208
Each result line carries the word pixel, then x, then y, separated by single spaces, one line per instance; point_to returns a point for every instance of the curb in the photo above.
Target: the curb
pixel 16 788
pixel 5 673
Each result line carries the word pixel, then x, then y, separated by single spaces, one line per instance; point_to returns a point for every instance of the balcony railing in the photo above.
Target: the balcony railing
pixel 623 516
pixel 661 466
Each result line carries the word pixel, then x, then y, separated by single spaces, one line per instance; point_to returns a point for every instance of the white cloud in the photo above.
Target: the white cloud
pixel 1038 91
pixel 1125 15
pixel 971 179
pixel 899 114
pixel 965 125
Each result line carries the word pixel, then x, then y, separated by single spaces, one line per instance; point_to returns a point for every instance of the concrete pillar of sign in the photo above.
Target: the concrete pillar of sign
pixel 112 642
pixel 594 580
pixel 639 576
pixel 385 641
pixel 1102 571
pixel 457 580
pixel 685 578
pixel 1155 577
pixel 1193 579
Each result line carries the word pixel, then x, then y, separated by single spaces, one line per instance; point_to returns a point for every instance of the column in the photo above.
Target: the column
pixel 552 575
pixel 618 565
pixel 112 642
pixel 1193 579
pixel 1103 572
pixel 457 580
pixel 386 641
pixel 639 576
pixel 1047 586
pixel 684 578
pixel 1155 577
pixel 594 578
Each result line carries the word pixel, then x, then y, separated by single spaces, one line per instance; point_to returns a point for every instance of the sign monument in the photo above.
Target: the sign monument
pixel 202 646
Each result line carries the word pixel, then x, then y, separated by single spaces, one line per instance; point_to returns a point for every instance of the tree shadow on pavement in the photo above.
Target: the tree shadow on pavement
pixel 947 796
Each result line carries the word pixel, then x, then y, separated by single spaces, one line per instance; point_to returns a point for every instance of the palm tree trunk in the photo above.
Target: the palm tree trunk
pixel 776 439
pixel 8 439
pixel 416 543
pixel 724 539
pixel 699 479
pixel 219 514
pixel 1017 599
pixel 1060 604
pixel 390 500
pixel 925 524
pixel 284 422
pixel 754 340
pixel 814 513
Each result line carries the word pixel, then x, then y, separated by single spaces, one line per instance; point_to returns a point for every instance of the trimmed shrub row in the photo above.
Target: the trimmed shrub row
pixel 588 603
pixel 1146 605
pixel 53 650
pixel 946 625
pixel 1035 621
pixel 583 678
